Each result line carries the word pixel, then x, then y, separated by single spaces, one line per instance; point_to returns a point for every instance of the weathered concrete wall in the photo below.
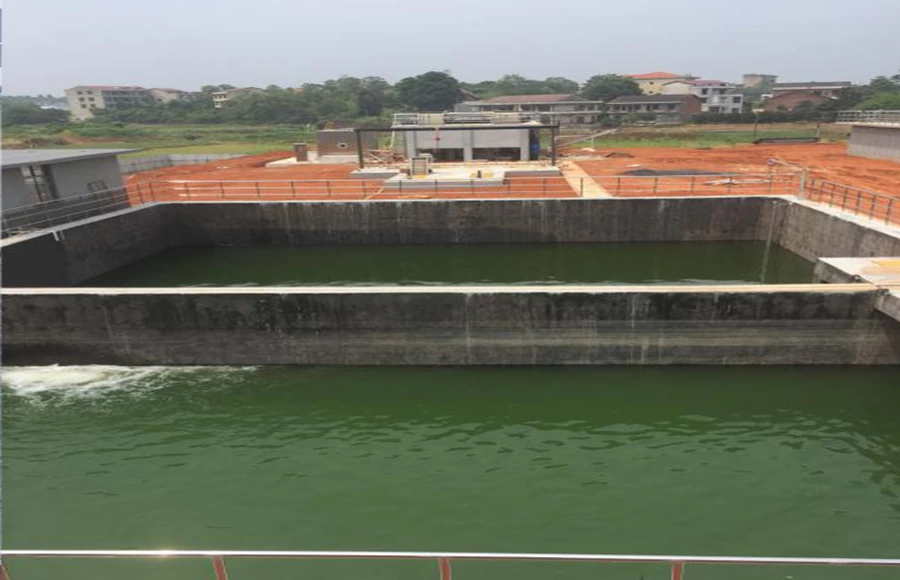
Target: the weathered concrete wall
pixel 474 325
pixel 70 254
pixel 480 221
pixel 875 142
pixel 148 162
pixel 814 231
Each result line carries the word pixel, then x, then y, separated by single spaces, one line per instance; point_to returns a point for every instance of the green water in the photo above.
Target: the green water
pixel 717 461
pixel 609 263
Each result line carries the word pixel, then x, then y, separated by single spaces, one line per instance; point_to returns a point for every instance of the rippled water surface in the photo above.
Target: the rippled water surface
pixel 607 263
pixel 751 461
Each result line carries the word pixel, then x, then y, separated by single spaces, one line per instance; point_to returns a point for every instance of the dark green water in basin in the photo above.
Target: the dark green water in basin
pixel 715 461
pixel 608 263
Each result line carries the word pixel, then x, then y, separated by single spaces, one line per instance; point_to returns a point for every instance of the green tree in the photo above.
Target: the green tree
pixel 432 91
pixel 879 101
pixel 560 85
pixel 608 87
pixel 30 114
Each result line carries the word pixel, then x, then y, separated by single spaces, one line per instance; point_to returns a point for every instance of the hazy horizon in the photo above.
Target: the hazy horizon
pixel 50 45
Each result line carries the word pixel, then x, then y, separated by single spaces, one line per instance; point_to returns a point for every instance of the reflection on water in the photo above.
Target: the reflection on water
pixel 762 461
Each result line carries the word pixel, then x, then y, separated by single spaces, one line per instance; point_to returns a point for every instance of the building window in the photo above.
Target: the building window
pixel 39 183
pixel 83 106
pixel 81 99
pixel 91 99
pixel 735 99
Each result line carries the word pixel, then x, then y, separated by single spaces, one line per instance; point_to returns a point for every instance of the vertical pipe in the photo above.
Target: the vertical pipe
pixel 446 571
pixel 219 566
pixel 677 570
pixel 553 145
pixel 359 149
pixel 769 237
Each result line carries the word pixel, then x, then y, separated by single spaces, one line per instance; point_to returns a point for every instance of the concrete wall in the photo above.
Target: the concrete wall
pixel 72 178
pixel 148 162
pixel 875 142
pixel 70 254
pixel 15 192
pixel 467 140
pixel 444 326
pixel 814 231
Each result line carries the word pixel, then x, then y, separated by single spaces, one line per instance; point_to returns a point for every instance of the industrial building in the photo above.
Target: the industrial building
pixel 484 136
pixel 33 176
pixel 875 134
pixel 564 109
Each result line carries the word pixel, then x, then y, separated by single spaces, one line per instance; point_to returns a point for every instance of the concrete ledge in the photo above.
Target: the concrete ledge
pixel 436 326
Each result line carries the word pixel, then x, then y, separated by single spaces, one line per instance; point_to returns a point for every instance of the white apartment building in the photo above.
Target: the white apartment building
pixel 715 95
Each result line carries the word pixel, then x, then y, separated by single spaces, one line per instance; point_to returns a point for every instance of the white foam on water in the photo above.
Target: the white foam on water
pixel 97 380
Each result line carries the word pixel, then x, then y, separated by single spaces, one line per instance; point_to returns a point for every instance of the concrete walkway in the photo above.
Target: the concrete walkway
pixel 581 182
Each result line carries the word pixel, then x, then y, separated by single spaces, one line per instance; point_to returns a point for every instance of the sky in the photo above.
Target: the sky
pixel 49 45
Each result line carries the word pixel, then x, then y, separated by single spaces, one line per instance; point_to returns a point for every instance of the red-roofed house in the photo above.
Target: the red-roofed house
pixel 565 109
pixel 652 83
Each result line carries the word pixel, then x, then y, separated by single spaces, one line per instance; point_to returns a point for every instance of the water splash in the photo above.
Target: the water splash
pixel 85 381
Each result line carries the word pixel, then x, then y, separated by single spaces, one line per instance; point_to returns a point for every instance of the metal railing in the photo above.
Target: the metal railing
pixel 862 202
pixel 775 183
pixel 444 560
pixel 874 117
pixel 56 212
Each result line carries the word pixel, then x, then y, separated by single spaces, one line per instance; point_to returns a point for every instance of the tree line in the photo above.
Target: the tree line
pixel 371 100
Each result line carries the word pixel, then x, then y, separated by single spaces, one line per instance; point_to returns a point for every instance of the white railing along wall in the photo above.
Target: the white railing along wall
pixel 444 560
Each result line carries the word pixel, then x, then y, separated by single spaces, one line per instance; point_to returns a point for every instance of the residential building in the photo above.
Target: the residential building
pixel 753 80
pixel 221 98
pixel 791 100
pixel 163 96
pixel 85 99
pixel 829 90
pixel 662 108
pixel 33 176
pixel 565 109
pixel 652 83
pixel 716 96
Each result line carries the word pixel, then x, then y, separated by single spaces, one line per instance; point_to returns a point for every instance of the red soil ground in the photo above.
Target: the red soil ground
pixel 247 178
pixel 825 160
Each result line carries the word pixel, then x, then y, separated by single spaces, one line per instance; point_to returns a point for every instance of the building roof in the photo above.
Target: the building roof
pixel 109 88
pixel 652 99
pixel 709 82
pixel 520 99
pixel 237 90
pixel 657 75
pixel 21 157
pixel 785 94
pixel 810 85
pixel 168 90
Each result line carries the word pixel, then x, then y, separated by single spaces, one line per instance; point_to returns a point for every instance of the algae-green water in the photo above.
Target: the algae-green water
pixel 784 461
pixel 585 263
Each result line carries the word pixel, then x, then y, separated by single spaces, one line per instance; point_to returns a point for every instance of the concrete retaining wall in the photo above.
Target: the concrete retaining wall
pixel 148 162
pixel 499 325
pixel 875 142
pixel 815 231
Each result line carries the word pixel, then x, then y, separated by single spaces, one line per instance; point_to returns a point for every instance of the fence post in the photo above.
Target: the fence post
pixel 618 185
pixel 294 189
pixel 890 207
pixel 693 184
pixel 222 189
pixel 655 185
pixel 544 184
pixel 152 194
pixel 219 566
pixel 140 193
pixel 446 570
pixel 677 570
pixel 803 177
pixel 328 187
pixel 257 190
pixel 581 179
pixel 187 189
